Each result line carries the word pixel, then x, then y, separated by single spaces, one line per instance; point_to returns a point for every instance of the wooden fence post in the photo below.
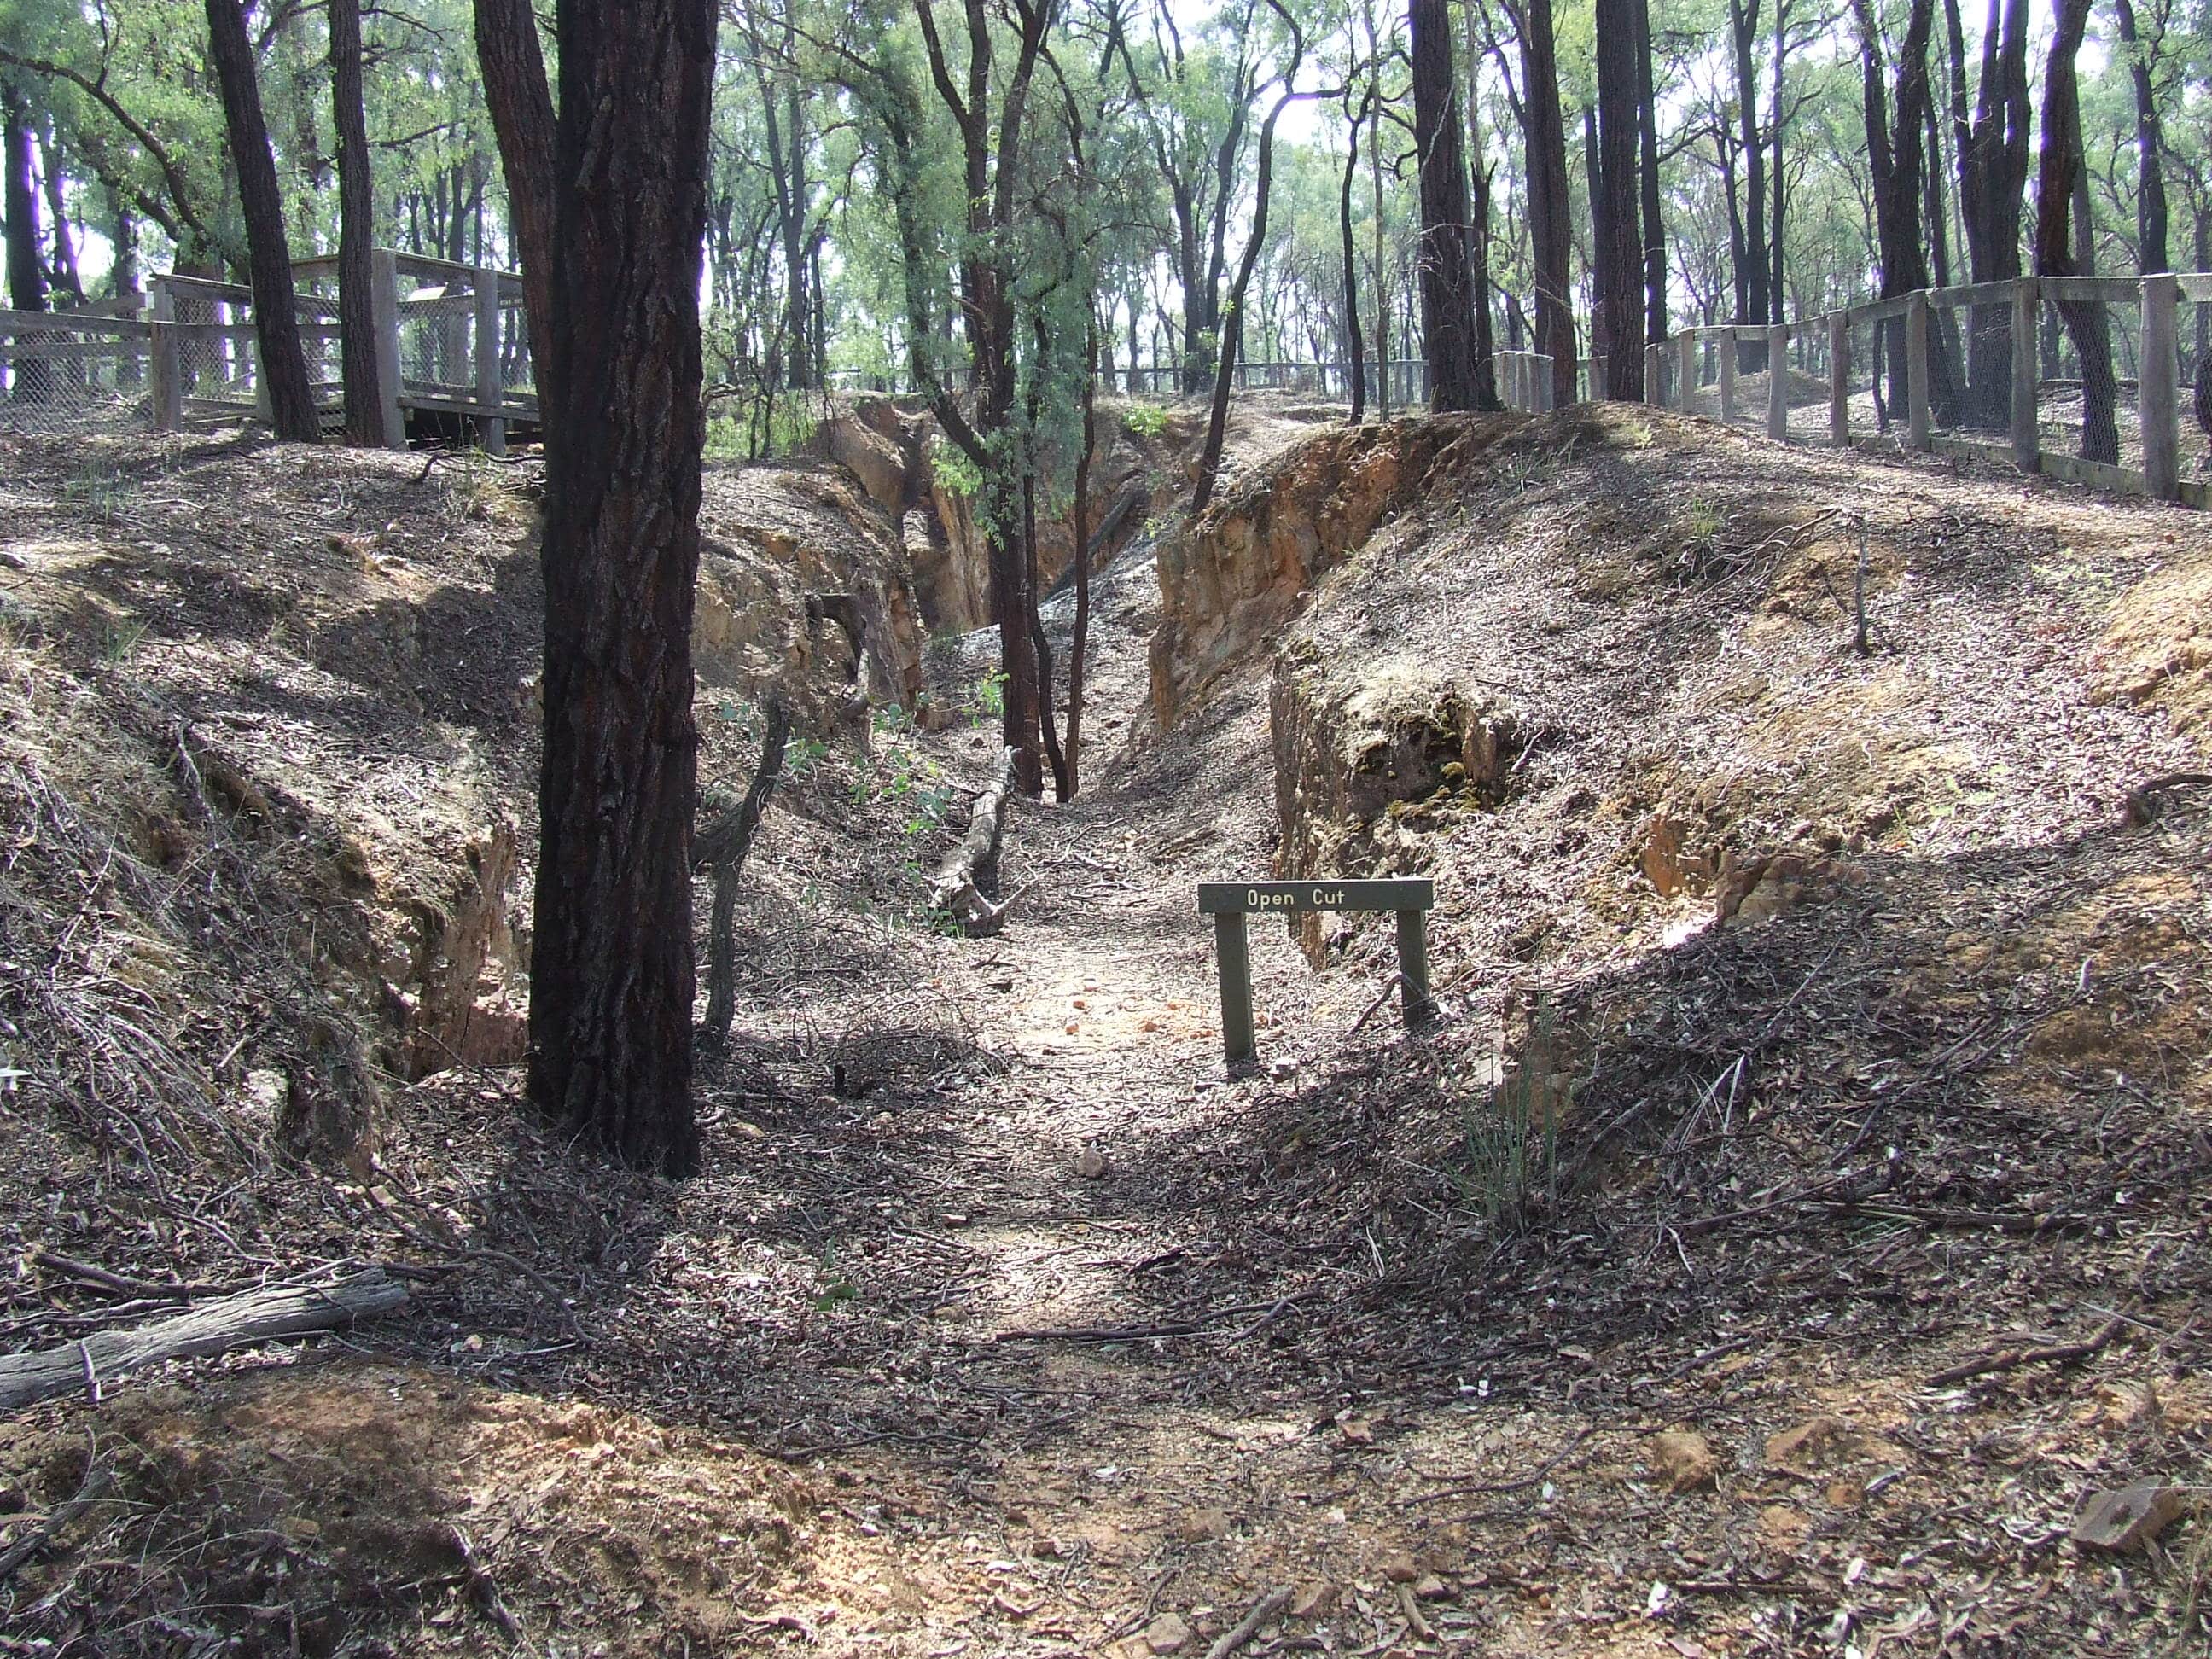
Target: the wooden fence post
pixel 1727 376
pixel 1233 963
pixel 1916 371
pixel 1686 368
pixel 1839 379
pixel 1778 380
pixel 1541 368
pixel 2158 389
pixel 168 388
pixel 491 385
pixel 1597 380
pixel 1655 366
pixel 384 298
pixel 2027 428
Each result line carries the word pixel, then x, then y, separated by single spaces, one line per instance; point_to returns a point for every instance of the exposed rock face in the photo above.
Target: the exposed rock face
pixel 1355 763
pixel 887 444
pixel 471 1008
pixel 1230 579
pixel 771 537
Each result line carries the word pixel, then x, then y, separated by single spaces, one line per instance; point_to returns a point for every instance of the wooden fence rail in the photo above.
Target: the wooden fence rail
pixel 1672 372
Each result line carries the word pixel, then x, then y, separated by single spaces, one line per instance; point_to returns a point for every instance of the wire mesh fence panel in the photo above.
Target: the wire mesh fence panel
pixel 2193 336
pixel 437 330
pixel 2082 412
pixel 60 374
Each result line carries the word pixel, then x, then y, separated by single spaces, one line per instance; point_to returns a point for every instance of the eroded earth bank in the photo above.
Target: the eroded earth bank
pixel 1787 1227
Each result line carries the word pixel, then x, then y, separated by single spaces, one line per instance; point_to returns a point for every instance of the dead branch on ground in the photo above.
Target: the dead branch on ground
pixel 211 1327
pixel 721 847
pixel 957 890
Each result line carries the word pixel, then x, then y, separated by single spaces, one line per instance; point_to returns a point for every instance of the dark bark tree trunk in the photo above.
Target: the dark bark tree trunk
pixel 1751 277
pixel 1895 155
pixel 1993 157
pixel 64 281
pixel 26 270
pixel 2150 173
pixel 1079 645
pixel 364 391
pixel 1618 130
pixel 1477 172
pixel 991 158
pixel 522 106
pixel 1232 325
pixel 1447 288
pixel 1655 226
pixel 1355 345
pixel 268 259
pixel 2059 173
pixel 612 973
pixel 1778 172
pixel 1551 222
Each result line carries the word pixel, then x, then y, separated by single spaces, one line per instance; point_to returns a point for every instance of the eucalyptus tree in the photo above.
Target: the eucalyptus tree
pixel 612 971
pixel 268 259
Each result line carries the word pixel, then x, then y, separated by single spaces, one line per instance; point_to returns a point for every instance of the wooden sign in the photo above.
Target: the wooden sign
pixel 1230 901
pixel 1217 898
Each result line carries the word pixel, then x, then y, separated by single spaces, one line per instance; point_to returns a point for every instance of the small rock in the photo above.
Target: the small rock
pixel 1090 1164
pixel 267 1093
pixel 1684 1459
pixel 1400 1568
pixel 1356 1431
pixel 1203 1526
pixel 1430 1588
pixel 1818 1440
pixel 1167 1634
pixel 2126 1519
pixel 1312 1600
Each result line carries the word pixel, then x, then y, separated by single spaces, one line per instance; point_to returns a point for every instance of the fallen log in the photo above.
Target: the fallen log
pixel 211 1327
pixel 957 890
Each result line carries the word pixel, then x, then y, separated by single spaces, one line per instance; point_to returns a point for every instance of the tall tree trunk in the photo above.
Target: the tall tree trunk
pixel 1447 289
pixel 1478 173
pixel 123 232
pixel 2150 172
pixel 1551 220
pixel 1751 282
pixel 1618 131
pixel 1079 645
pixel 1232 324
pixel 66 282
pixel 521 103
pixel 1993 154
pixel 2058 176
pixel 1778 173
pixel 1655 227
pixel 268 259
pixel 26 270
pixel 364 390
pixel 612 974
pixel 1355 345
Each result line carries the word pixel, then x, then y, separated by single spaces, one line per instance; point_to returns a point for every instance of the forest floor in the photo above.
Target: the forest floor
pixel 1004 1321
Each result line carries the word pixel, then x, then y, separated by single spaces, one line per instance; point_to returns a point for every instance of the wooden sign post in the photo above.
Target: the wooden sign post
pixel 1230 901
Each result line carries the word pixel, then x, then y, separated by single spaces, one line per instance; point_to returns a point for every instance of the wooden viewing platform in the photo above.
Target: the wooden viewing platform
pixel 452 345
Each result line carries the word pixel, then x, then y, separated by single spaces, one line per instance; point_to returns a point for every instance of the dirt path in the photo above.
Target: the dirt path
pixel 1002 1322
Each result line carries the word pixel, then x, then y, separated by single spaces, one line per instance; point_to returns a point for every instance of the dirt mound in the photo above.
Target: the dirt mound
pixel 362 1507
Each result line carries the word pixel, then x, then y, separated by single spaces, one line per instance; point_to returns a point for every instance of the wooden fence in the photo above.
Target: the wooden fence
pixel 2146 308
pixel 450 341
pixel 452 351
